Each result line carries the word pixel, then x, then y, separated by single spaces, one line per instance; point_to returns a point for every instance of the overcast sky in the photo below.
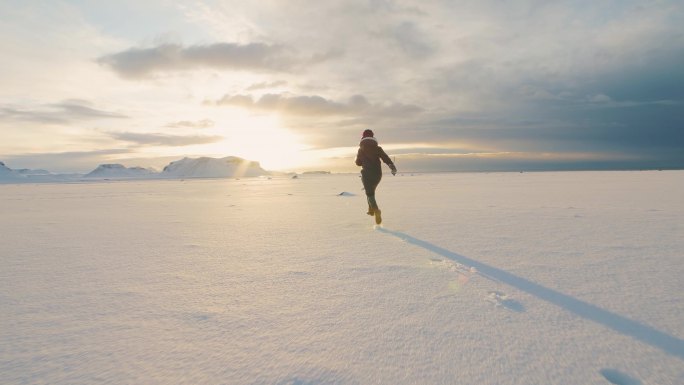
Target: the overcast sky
pixel 445 85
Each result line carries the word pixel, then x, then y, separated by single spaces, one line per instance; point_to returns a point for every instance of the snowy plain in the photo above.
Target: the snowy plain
pixel 486 278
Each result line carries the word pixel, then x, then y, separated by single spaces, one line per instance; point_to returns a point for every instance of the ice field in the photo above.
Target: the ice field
pixel 483 278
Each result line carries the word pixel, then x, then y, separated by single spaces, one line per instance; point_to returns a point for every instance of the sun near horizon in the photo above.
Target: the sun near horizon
pixel 263 139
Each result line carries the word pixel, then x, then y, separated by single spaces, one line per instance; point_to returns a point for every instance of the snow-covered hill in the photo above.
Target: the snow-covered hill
pixel 7 174
pixel 204 167
pixel 116 171
pixel 25 175
pixel 4 169
pixel 26 171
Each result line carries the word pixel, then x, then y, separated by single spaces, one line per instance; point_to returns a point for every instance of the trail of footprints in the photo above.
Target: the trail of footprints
pixel 497 298
pixel 503 301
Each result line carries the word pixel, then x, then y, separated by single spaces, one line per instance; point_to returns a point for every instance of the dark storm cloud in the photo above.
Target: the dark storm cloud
pixel 636 108
pixel 652 76
pixel 645 131
pixel 507 163
pixel 63 112
pixel 154 139
pixel 632 107
pixel 143 62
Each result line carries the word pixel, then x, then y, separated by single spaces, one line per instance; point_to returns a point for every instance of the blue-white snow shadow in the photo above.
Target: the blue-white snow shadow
pixel 624 325
pixel 618 378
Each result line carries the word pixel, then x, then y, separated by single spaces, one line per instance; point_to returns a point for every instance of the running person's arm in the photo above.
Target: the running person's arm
pixel 387 160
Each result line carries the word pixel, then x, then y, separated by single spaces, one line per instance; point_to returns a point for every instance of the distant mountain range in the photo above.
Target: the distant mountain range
pixel 228 167
pixel 119 171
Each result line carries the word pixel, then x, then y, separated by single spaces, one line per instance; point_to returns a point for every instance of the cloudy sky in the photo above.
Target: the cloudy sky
pixel 445 85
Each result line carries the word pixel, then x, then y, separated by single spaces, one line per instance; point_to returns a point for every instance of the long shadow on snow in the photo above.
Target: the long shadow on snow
pixel 626 326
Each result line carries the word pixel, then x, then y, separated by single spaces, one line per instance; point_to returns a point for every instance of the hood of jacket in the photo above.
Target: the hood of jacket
pixel 369 142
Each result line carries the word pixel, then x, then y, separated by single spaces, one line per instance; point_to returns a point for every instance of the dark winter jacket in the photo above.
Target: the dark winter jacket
pixel 369 156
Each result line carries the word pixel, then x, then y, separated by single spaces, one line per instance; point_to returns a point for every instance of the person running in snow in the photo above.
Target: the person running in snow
pixel 368 157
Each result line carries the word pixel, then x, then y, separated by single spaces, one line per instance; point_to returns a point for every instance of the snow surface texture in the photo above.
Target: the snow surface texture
pixel 534 278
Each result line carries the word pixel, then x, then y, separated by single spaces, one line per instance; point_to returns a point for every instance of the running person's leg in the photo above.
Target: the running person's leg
pixel 370 183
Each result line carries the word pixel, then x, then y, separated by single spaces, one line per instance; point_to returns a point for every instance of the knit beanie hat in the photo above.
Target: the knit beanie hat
pixel 367 133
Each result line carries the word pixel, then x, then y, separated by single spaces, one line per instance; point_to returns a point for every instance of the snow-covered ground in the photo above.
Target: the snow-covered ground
pixel 501 278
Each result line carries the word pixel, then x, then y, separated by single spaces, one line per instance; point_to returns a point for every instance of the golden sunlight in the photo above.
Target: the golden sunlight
pixel 263 139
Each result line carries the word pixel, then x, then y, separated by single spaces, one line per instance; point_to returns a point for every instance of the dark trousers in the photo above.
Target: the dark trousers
pixel 370 182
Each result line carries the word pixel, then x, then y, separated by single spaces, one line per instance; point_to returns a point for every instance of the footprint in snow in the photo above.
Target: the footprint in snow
pixel 463 272
pixel 618 378
pixel 453 266
pixel 500 299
